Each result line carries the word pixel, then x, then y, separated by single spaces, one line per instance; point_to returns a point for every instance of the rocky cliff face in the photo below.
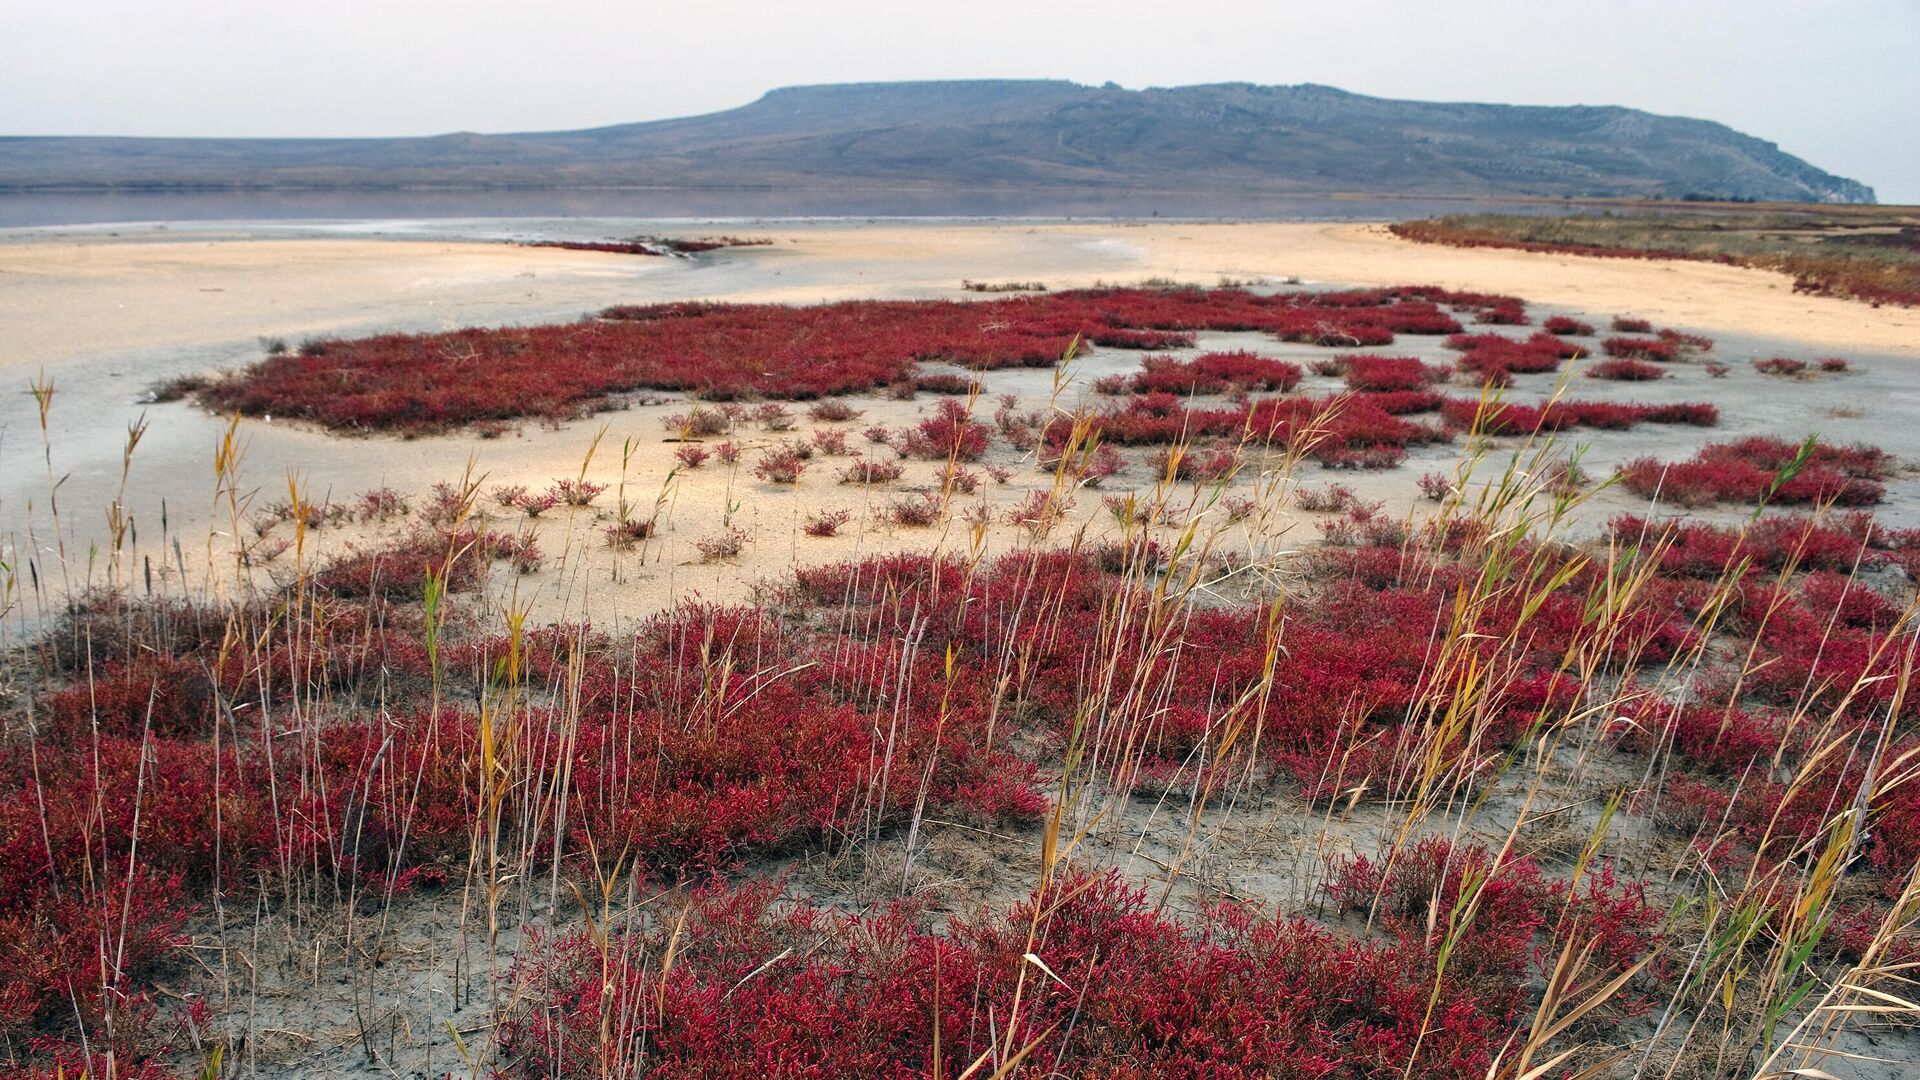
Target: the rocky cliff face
pixel 1217 138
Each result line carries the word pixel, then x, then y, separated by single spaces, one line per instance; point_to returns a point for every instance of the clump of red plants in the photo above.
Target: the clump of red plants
pixel 1214 373
pixel 1383 374
pixel 1780 365
pixel 425 382
pixel 1513 418
pixel 1496 358
pixel 1834 543
pixel 1114 987
pixel 1626 371
pixel 1761 470
pixel 1348 430
pixel 1640 348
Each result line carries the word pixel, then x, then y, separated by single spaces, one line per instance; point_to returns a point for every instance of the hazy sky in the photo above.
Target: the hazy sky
pixel 1836 83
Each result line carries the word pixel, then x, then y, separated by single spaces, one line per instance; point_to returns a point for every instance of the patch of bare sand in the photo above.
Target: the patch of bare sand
pixel 1702 296
pixel 95 297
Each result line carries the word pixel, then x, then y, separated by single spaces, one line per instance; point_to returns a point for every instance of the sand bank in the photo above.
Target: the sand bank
pixel 94 297
pixel 1701 296
pixel 89 295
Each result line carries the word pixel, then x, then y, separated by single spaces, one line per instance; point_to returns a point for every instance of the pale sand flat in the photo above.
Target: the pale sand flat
pixel 61 299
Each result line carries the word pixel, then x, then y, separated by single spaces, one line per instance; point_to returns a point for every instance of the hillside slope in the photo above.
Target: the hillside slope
pixel 1004 133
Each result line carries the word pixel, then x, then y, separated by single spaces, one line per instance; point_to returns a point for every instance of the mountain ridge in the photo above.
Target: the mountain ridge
pixel 1218 137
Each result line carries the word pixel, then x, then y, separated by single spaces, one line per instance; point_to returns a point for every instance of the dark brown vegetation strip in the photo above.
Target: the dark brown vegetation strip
pixel 1868 255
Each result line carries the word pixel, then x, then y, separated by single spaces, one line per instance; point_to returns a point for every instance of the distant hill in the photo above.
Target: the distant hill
pixel 1270 140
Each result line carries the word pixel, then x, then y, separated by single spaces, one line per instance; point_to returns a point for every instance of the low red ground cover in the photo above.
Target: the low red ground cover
pixel 425 382
pixel 1497 358
pixel 1512 418
pixel 1380 374
pixel 1404 402
pixel 1567 326
pixel 1641 348
pixel 1756 470
pixel 681 778
pixel 1779 365
pixel 763 987
pixel 1626 371
pixel 340 752
pixel 1832 543
pixel 1126 990
pixel 1342 430
pixel 1690 342
pixel 1364 430
pixel 1413 894
pixel 777 758
pixel 1215 373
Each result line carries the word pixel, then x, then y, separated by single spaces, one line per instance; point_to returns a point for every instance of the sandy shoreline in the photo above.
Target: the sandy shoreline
pixel 94 296
pixel 102 298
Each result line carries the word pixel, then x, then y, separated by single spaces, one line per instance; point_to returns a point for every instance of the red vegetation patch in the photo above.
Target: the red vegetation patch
pixel 1508 418
pixel 1822 642
pixel 1215 373
pixel 1404 402
pixel 1416 894
pixel 1641 348
pixel 1626 371
pixel 663 765
pixel 949 434
pixel 872 690
pixel 1348 430
pixel 401 571
pixel 1779 365
pixel 760 987
pixel 1497 358
pixel 1756 470
pixel 1567 327
pixel 1379 374
pixel 946 382
pixel 1691 342
pixel 1832 543
pixel 1201 465
pixel 782 464
pixel 1505 313
pixel 1153 418
pixel 426 382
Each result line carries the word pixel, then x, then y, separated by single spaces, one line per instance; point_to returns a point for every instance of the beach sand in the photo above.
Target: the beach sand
pixel 86 294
